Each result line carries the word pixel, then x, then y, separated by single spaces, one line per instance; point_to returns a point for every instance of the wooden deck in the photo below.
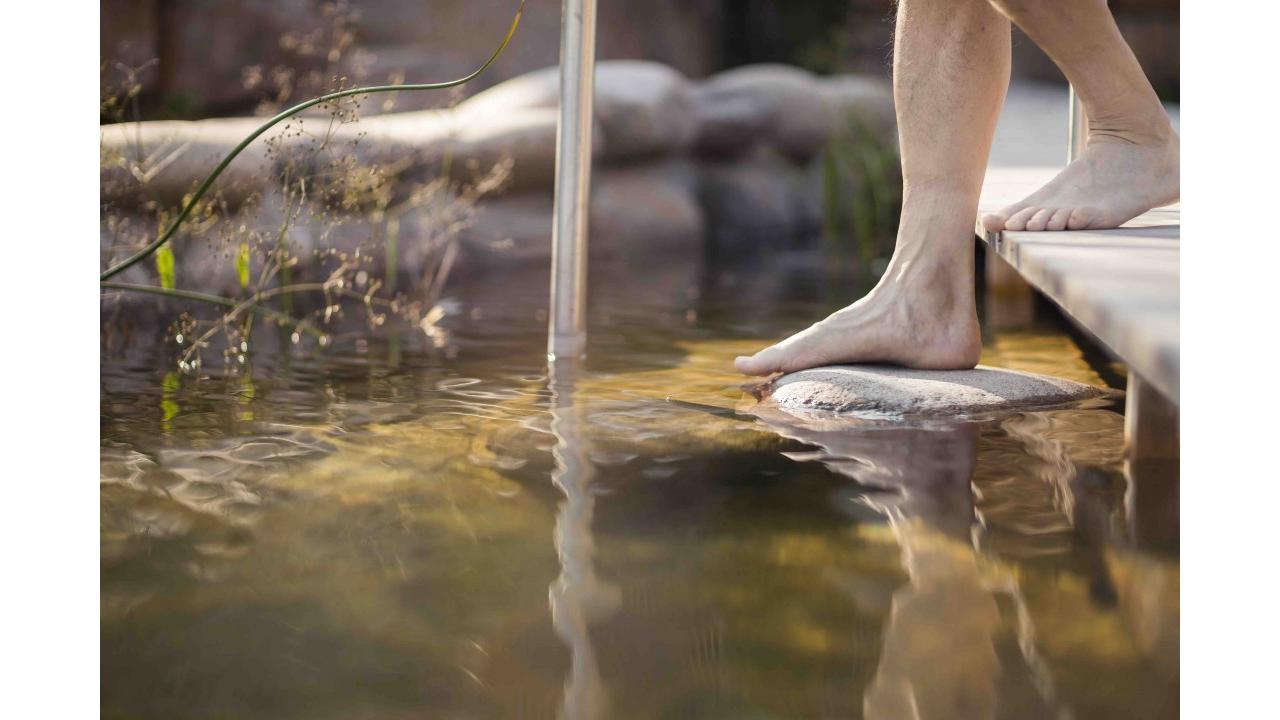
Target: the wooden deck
pixel 1119 285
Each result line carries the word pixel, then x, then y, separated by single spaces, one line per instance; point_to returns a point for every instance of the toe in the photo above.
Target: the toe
pixel 997 221
pixel 762 363
pixel 1040 219
pixel 1059 219
pixel 1081 218
pixel 993 222
pixel 1018 221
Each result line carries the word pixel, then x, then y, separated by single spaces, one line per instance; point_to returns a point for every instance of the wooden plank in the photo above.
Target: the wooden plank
pixel 1120 285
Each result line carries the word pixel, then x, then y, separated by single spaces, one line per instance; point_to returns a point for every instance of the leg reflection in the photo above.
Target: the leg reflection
pixel 578 598
pixel 939 657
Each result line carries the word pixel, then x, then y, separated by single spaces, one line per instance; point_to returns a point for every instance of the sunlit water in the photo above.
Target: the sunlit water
pixel 391 529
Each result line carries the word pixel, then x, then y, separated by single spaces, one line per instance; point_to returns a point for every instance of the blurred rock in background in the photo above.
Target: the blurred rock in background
pixel 730 166
pixel 227 57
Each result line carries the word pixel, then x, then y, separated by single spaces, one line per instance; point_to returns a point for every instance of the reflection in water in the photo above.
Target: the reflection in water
pixel 365 534
pixel 940 652
pixel 578 598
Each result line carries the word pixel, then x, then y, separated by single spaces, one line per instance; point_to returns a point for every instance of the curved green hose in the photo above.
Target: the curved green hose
pixel 208 181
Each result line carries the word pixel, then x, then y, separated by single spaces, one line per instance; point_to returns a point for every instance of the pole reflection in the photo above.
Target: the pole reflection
pixel 578 598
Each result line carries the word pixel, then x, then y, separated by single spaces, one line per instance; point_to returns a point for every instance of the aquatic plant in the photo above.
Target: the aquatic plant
pixel 861 181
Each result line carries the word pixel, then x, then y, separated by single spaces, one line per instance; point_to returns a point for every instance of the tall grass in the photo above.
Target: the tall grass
pixel 862 198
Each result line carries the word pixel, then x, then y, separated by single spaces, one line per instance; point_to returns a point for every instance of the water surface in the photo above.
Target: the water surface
pixel 414 526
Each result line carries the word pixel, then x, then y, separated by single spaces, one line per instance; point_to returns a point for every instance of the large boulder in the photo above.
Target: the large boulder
pixel 643 108
pixel 510 230
pixel 646 216
pixel 864 100
pixel 163 161
pixel 472 143
pixel 895 391
pixel 779 104
pixel 760 202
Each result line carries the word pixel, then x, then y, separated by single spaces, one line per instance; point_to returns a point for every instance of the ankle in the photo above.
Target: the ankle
pixel 1139 126
pixel 934 230
pixel 937 195
pixel 916 272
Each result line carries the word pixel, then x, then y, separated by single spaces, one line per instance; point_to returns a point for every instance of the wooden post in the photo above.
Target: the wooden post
pixel 1151 437
pixel 1008 300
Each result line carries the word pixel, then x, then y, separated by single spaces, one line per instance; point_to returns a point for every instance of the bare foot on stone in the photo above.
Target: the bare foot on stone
pixel 1119 176
pixel 922 314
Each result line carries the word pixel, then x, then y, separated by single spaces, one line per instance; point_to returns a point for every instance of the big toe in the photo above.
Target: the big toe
pixel 994 222
pixel 762 363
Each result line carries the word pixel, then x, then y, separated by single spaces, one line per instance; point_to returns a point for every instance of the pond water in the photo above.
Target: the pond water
pixel 407 527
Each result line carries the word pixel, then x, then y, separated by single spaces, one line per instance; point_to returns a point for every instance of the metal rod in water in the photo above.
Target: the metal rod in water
pixel 567 334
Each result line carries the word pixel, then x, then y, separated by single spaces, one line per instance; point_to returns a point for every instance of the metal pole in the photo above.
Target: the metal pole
pixel 567 335
pixel 1077 125
pixel 1077 122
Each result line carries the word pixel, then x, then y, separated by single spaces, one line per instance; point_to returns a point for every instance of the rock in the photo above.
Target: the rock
pixel 647 216
pixel 728 126
pixel 884 390
pixel 759 203
pixel 643 108
pixel 510 230
pixel 754 187
pixel 165 160
pixel 858 98
pixel 474 143
pixel 784 105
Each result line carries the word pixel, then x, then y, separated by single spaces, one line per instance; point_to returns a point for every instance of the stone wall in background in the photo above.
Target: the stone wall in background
pixel 206 52
pixel 726 166
pixel 221 57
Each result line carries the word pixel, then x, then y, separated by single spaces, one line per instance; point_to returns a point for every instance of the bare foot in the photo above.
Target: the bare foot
pixel 1119 176
pixel 922 314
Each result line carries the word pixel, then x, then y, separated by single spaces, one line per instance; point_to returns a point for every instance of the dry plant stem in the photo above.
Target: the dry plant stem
pixel 252 302
pixel 236 306
pixel 208 181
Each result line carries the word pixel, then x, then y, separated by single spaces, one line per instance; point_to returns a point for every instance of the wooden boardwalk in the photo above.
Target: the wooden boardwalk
pixel 1121 286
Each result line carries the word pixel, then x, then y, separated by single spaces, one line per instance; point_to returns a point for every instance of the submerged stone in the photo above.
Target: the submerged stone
pixel 879 389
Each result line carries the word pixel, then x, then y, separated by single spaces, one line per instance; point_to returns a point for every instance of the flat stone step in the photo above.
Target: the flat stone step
pixel 897 391
pixel 1120 285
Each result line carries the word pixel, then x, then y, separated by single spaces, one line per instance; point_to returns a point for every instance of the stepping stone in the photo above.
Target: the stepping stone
pixel 885 390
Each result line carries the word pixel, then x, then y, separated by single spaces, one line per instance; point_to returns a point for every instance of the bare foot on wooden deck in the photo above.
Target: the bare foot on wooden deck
pixel 1119 176
pixel 922 314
